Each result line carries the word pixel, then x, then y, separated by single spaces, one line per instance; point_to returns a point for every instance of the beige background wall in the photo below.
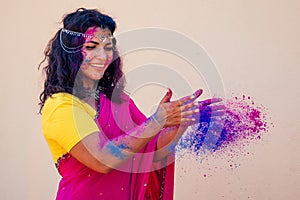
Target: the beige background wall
pixel 254 44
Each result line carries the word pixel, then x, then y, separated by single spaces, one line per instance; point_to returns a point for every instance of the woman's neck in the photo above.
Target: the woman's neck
pixel 89 84
pixel 90 92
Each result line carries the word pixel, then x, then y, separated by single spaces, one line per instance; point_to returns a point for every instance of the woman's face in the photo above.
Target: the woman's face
pixel 97 55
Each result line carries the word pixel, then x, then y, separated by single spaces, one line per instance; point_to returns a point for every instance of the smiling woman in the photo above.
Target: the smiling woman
pixel 102 145
pixel 98 54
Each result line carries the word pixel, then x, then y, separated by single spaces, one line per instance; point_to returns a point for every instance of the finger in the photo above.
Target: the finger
pixel 189 106
pixel 218 119
pixel 188 121
pixel 212 114
pixel 195 105
pixel 189 113
pixel 212 108
pixel 212 120
pixel 209 101
pixel 167 96
pixel 215 119
pixel 190 98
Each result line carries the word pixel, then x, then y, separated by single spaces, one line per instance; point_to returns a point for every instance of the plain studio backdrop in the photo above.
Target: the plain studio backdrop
pixel 254 45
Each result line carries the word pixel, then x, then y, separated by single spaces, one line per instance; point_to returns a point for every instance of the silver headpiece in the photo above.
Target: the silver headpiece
pixel 67 37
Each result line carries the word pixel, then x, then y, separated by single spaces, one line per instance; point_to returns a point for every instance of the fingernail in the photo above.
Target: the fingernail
pixel 198 92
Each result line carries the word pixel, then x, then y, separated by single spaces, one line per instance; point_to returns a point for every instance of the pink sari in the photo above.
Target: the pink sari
pixel 138 179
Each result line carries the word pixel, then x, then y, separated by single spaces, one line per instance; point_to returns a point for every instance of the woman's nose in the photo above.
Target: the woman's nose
pixel 101 55
pixel 101 59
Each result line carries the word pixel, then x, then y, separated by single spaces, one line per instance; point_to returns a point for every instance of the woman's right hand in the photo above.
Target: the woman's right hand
pixel 173 113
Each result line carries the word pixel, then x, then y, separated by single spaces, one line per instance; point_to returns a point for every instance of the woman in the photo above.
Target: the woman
pixel 102 145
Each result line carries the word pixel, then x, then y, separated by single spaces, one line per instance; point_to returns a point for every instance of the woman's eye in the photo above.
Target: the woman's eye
pixel 108 48
pixel 90 47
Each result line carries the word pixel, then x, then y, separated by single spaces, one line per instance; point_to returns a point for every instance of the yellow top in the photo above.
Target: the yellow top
pixel 65 121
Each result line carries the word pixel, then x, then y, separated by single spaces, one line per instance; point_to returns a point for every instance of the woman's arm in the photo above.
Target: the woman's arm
pixel 167 141
pixel 102 155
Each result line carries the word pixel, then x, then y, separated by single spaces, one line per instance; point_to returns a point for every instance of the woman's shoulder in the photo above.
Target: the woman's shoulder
pixel 61 99
pixel 58 98
pixel 54 101
pixel 125 96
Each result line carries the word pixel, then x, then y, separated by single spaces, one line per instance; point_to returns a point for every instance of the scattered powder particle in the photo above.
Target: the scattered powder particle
pixel 243 123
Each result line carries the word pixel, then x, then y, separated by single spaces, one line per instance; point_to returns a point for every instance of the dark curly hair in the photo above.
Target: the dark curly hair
pixel 62 66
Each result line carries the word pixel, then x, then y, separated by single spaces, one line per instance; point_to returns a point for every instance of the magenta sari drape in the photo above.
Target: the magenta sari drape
pixel 138 179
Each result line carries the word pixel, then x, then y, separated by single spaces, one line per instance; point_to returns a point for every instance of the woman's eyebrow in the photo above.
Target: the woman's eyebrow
pixel 92 42
pixel 107 43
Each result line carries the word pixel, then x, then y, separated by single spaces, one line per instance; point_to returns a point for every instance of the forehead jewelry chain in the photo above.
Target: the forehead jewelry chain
pixel 102 38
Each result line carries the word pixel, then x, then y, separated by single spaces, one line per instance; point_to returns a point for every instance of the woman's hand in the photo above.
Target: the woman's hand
pixel 176 116
pixel 173 113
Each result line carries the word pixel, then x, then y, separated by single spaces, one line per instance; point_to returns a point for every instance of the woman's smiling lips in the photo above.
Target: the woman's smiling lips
pixel 97 65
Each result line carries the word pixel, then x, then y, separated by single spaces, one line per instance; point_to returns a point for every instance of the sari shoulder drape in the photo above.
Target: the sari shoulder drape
pixel 136 180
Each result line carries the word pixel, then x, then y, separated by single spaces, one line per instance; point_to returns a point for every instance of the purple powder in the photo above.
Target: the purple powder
pixel 242 123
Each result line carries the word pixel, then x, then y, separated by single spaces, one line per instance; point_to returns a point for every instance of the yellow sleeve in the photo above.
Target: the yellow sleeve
pixel 65 122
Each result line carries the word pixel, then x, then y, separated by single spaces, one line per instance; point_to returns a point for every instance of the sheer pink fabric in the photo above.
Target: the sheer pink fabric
pixel 135 180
